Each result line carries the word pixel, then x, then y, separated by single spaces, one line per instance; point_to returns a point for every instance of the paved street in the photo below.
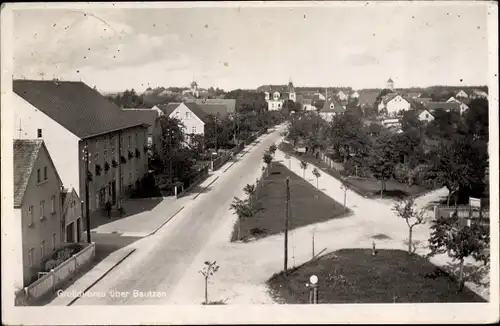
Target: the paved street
pixel 161 260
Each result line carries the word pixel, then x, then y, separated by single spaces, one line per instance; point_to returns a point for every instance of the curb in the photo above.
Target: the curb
pixel 205 188
pixel 101 277
pixel 242 152
pixel 171 217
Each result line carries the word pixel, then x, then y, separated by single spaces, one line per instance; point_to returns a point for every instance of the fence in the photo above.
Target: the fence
pixel 219 161
pixel 202 175
pixel 238 148
pixel 463 211
pixel 331 164
pixel 55 277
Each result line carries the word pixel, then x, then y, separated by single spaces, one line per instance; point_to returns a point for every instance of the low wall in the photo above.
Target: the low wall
pixel 58 275
pixel 221 160
pixel 238 148
pixel 202 175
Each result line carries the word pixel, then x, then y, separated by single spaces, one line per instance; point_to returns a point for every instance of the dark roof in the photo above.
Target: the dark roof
pixel 74 105
pixel 390 80
pixel 25 154
pixel 196 109
pixel 367 97
pixel 337 107
pixel 167 109
pixel 214 109
pixel 144 116
pixel 230 104
pixel 443 106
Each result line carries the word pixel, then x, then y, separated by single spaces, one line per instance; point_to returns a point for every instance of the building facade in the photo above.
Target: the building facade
pixel 82 119
pixel 37 207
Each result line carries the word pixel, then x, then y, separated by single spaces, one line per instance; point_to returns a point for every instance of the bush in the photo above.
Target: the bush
pixel 146 188
pixel 51 264
pixel 403 174
pixel 418 175
pixel 362 171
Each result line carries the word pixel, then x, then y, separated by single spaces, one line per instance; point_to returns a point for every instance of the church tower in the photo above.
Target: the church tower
pixel 194 89
pixel 291 91
pixel 390 84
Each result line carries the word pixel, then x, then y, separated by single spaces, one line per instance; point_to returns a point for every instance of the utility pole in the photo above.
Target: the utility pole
pixel 287 213
pixel 87 208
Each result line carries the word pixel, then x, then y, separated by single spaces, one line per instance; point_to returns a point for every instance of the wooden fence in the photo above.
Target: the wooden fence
pixel 55 277
pixel 463 211
pixel 331 164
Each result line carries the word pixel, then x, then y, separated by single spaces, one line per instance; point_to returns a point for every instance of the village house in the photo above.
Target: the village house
pixel 341 96
pixel 276 95
pixel 354 95
pixel 217 105
pixel 37 208
pixel 446 106
pixel 148 117
pixel 462 95
pixel 394 104
pixel 72 218
pixel 423 115
pixel 478 94
pixel 82 121
pixel 331 109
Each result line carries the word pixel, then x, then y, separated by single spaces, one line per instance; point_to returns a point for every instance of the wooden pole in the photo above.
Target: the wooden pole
pixel 287 212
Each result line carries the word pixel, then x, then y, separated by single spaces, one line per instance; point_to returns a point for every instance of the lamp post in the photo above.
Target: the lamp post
pixel 313 289
pixel 87 176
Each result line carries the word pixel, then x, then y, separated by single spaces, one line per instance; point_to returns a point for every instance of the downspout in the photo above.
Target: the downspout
pixel 119 179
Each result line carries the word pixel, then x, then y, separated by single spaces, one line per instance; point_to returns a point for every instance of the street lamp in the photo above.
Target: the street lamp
pixel 313 289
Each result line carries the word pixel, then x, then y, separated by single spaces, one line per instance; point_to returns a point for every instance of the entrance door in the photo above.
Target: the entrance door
pixel 79 230
pixel 113 191
pixel 70 232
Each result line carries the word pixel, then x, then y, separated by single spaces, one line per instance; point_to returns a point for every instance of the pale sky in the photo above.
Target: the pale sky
pixel 360 46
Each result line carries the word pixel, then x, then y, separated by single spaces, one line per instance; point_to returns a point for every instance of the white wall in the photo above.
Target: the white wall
pixel 327 116
pixel 397 104
pixel 61 143
pixel 15 266
pixel 425 116
pixel 274 105
pixel 189 121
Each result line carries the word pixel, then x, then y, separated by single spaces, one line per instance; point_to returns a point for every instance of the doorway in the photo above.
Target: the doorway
pixel 79 230
pixel 70 232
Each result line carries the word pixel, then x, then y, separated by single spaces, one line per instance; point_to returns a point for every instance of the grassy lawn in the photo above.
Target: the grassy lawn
pixel 308 205
pixel 363 186
pixel 355 276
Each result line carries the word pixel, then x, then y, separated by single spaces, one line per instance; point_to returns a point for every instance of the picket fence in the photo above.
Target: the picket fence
pixel 464 212
pixel 330 162
pixel 61 273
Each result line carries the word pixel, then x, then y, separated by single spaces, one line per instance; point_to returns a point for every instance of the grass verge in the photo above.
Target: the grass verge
pixel 355 276
pixel 308 205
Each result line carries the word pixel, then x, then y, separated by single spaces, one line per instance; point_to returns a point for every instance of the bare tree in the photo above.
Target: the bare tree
pixel 316 173
pixel 207 271
pixel 407 210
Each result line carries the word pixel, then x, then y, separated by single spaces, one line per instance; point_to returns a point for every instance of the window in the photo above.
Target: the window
pixel 97 145
pixel 38 176
pixel 105 155
pixel 53 204
pixel 44 173
pixel 187 115
pixel 31 254
pixel 96 158
pixel 30 215
pixel 42 209
pixel 54 239
pixel 112 151
pixel 42 250
pixel 129 140
pixel 130 177
pixel 39 133
pixel 193 130
pixel 137 138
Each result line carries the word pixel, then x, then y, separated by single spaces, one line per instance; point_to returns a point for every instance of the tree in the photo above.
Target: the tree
pixel 268 159
pixel 316 173
pixel 382 159
pixel 249 191
pixel 453 236
pixel 208 270
pixel 243 209
pixel 303 166
pixel 459 164
pixel 272 149
pixel 407 210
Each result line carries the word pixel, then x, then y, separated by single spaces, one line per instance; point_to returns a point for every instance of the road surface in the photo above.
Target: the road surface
pixel 161 261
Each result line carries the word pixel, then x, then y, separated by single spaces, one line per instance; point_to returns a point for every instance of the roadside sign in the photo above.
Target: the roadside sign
pixel 475 202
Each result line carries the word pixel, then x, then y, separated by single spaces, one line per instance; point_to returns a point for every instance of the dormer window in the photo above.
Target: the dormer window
pixel 187 115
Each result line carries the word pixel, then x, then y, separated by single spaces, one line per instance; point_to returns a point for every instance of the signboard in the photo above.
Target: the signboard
pixel 475 202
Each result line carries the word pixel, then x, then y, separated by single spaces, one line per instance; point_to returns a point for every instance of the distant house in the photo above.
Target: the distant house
pixel 454 100
pixel 412 95
pixel 423 115
pixel 148 117
pixel 423 100
pixel 478 94
pixel 341 96
pixel 37 208
pixel 229 105
pixel 462 94
pixel 367 98
pixel 331 109
pixel 276 95
pixel 71 216
pixel 355 95
pixel 308 105
pixel 445 106
pixel 394 104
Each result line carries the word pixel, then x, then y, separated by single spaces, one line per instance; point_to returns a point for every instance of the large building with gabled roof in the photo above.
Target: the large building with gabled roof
pixel 71 118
